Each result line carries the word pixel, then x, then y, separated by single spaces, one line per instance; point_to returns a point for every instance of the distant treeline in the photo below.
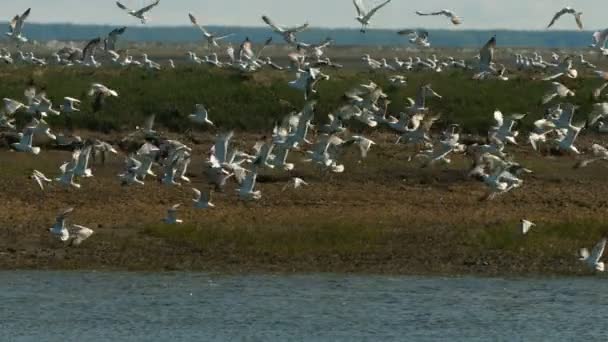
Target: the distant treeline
pixel 439 38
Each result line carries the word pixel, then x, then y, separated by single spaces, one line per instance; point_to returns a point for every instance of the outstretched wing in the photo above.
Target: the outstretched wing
pixel 487 53
pixel 359 7
pixel 377 8
pixel 121 6
pixel 556 17
pixel 195 23
pixel 149 7
pixel 598 250
pixel 274 26
pixel 90 49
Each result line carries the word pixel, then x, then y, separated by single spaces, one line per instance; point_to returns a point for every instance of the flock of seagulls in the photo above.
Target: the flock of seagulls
pixel 167 161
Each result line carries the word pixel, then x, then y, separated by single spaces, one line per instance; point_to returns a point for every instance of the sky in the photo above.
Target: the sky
pixel 477 14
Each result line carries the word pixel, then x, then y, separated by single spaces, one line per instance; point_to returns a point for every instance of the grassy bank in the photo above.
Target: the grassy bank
pixel 251 102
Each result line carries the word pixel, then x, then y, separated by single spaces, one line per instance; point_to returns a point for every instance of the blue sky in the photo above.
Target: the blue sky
pixel 477 14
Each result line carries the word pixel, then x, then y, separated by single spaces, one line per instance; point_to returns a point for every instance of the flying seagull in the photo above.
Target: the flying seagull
pixel 211 38
pixel 288 33
pixel 363 16
pixel 16 27
pixel 526 226
pixel 568 10
pixel 110 41
pixel 456 20
pixel 141 13
pixel 593 259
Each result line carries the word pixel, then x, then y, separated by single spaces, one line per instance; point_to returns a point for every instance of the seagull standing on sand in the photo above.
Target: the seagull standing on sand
pixel 141 13
pixel 363 16
pixel 568 10
pixel 456 20
pixel 212 39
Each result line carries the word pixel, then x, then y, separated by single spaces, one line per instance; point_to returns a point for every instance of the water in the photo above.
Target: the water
pixel 81 306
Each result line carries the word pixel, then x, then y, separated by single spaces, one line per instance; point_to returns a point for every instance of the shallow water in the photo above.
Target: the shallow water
pixel 91 306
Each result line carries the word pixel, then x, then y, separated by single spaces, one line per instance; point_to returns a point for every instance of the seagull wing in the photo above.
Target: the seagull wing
pixel 487 53
pixel 597 251
pixel 195 23
pixel 579 21
pixel 197 194
pixel 377 8
pixel 359 7
pixel 121 6
pixel 149 7
pixel 274 26
pixel 90 48
pixel 557 16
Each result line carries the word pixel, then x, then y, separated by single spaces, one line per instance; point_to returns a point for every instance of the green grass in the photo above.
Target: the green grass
pixel 251 101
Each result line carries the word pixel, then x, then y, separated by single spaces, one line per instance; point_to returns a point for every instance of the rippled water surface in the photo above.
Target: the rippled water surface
pixel 81 306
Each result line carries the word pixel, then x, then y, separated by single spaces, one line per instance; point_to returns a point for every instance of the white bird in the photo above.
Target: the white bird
pixel 16 27
pixel 288 33
pixel 246 191
pixel 79 233
pixel 100 89
pixel 593 259
pixel 419 38
pixel 295 183
pixel 202 200
pixel 212 39
pixel 599 41
pixel 60 229
pixel 557 89
pixel 200 116
pixel 172 215
pixel 456 20
pixel 70 105
pixel 568 10
pixel 67 171
pixel 363 16
pixel 526 226
pixel 25 145
pixel 141 13
pixel 40 178
pixel 599 153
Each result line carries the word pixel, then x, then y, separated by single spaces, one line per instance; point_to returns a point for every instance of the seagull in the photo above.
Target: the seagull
pixel 568 10
pixel 25 144
pixel 212 39
pixel 456 20
pixel 420 38
pixel 526 226
pixel 79 234
pixel 200 116
pixel 599 41
pixel 16 27
pixel 288 33
pixel 202 200
pixel 99 89
pixel 246 191
pixel 599 153
pixel 593 260
pixel 139 14
pixel 70 105
pixel 557 89
pixel 110 41
pixel 172 215
pixel 40 178
pixel 295 183
pixel 59 229
pixel 364 16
